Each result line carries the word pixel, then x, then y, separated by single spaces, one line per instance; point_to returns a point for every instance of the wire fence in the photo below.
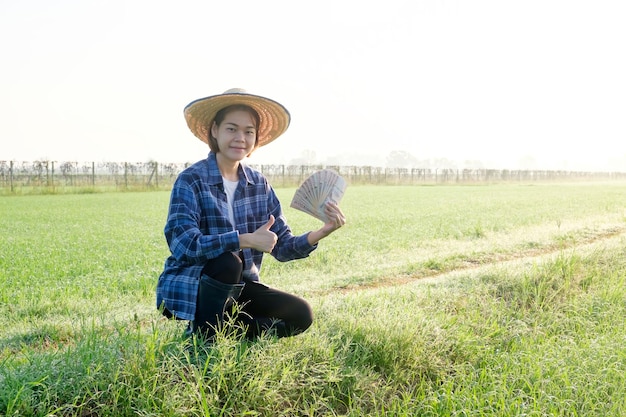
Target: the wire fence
pixel 53 176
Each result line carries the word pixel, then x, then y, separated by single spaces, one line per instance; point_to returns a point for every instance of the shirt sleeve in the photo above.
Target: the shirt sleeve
pixel 183 232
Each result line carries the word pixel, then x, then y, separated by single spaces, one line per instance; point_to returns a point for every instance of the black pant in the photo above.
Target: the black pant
pixel 261 308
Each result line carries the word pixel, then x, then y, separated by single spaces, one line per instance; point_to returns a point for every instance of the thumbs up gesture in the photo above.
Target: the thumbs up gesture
pixel 267 226
pixel 263 239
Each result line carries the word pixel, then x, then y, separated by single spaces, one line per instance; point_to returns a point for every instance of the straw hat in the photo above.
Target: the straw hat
pixel 274 117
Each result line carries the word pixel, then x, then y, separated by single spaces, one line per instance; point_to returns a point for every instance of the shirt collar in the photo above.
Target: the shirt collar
pixel 215 176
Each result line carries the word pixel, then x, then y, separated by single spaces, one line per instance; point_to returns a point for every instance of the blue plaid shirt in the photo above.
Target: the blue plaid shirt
pixel 198 229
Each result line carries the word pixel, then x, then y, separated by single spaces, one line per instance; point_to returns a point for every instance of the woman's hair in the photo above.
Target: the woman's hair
pixel 221 115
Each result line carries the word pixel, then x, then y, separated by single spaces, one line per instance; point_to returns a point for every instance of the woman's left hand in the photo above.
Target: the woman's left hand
pixel 335 217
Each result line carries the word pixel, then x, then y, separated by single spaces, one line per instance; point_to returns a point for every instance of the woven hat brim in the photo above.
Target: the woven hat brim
pixel 274 117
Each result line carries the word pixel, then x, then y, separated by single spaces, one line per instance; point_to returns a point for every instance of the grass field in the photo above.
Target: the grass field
pixel 501 300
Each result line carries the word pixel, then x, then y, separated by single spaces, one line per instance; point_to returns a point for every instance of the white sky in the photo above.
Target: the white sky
pixel 500 81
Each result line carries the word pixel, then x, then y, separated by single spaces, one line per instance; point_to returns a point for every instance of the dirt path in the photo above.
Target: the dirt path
pixel 583 243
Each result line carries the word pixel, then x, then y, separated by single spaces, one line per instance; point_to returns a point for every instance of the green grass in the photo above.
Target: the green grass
pixel 504 300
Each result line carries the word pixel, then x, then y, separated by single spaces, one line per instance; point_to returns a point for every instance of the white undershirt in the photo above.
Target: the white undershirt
pixel 230 187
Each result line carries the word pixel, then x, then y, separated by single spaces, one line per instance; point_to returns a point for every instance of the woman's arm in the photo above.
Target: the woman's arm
pixel 186 241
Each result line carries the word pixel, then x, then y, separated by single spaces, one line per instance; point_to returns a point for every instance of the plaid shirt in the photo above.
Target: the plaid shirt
pixel 198 229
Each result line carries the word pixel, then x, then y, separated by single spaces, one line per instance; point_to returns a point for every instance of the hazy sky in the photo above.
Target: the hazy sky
pixel 540 81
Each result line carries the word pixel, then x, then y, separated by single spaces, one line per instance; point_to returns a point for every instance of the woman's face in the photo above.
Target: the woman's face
pixel 236 135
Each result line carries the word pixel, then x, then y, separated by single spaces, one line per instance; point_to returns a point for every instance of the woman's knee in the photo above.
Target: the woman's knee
pixel 303 315
pixel 226 268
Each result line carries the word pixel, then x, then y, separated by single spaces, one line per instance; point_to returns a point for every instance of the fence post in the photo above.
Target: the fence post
pixel 11 175
pixel 93 174
pixel 282 168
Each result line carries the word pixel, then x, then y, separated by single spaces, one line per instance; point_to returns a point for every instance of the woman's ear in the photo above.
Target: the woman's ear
pixel 214 129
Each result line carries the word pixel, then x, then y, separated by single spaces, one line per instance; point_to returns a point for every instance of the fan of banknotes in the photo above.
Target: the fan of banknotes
pixel 322 186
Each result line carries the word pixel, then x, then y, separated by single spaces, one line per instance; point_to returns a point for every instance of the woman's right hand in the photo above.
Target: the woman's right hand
pixel 262 239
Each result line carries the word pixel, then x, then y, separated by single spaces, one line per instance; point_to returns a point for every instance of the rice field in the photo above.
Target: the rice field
pixel 454 300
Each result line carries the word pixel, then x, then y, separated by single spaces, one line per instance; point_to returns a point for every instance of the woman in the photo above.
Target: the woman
pixel 224 216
